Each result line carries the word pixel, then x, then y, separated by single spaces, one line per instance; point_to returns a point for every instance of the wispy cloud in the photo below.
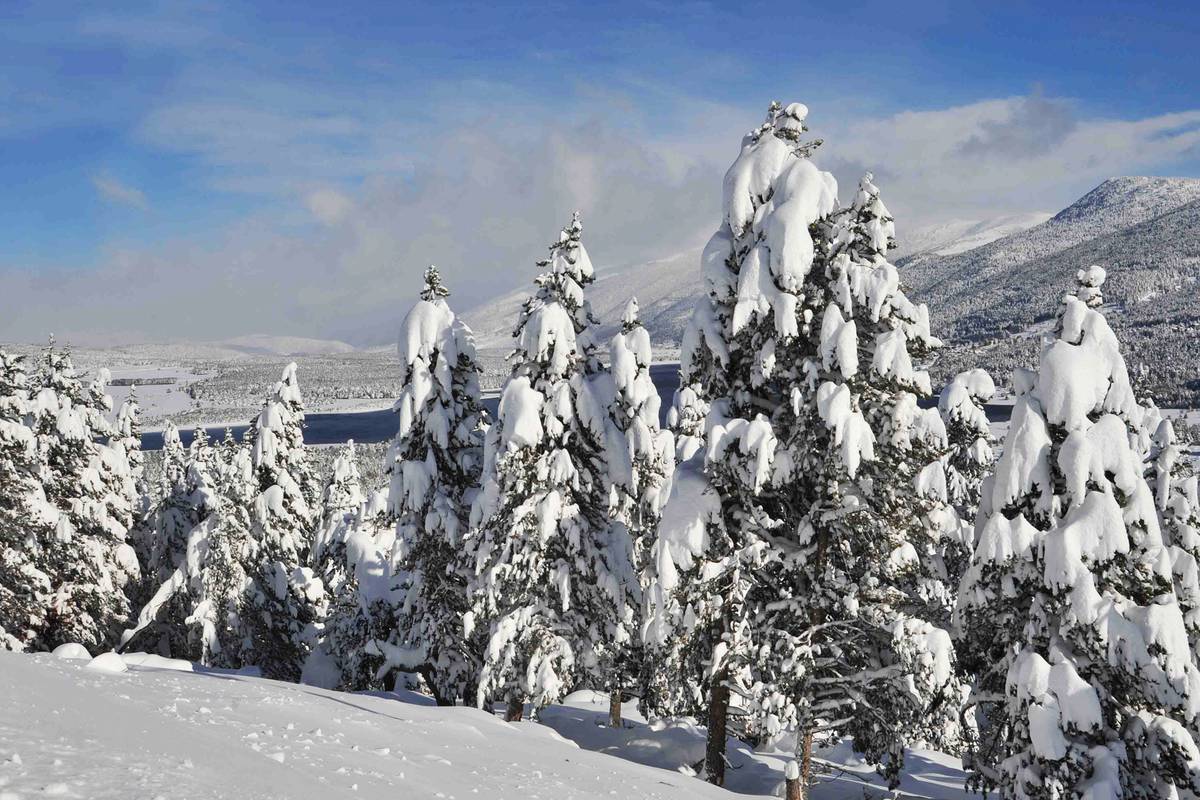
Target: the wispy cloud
pixel 114 191
pixel 363 198
pixel 1002 155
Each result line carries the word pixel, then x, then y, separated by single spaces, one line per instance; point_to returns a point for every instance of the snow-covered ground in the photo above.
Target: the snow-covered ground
pixel 157 400
pixel 73 728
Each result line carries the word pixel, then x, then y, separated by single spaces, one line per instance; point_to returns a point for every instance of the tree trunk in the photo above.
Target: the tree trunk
pixel 718 713
pixel 441 699
pixel 792 788
pixel 516 709
pixel 614 709
pixel 805 764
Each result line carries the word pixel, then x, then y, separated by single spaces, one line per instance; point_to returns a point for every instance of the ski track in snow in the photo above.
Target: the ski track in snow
pixel 159 730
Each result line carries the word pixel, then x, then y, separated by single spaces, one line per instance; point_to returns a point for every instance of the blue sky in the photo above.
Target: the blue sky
pixel 317 156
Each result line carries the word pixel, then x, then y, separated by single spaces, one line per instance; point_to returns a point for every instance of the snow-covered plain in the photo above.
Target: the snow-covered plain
pixel 74 728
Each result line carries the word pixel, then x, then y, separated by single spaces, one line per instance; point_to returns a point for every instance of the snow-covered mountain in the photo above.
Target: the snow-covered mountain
pixel 263 344
pixel 666 290
pixel 992 300
pixel 989 280
pixel 960 235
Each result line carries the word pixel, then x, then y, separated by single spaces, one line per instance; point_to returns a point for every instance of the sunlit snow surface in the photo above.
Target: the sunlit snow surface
pixel 160 730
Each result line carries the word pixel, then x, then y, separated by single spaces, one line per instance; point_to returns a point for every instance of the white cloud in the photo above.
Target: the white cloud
pixel 1001 156
pixel 482 193
pixel 329 206
pixel 114 191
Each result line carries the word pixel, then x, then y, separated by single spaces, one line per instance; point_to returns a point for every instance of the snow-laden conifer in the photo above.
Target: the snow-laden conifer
pixel 685 419
pixel 1086 685
pixel 173 515
pixel 27 521
pixel 436 460
pixel 127 437
pixel 357 651
pixel 286 602
pixel 815 586
pixel 1177 497
pixel 641 461
pixel 971 445
pixel 968 460
pixel 857 635
pixel 554 594
pixel 88 560
pixel 197 611
pixel 340 502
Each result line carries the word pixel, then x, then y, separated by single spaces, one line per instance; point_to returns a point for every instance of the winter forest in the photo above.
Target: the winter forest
pixel 821 548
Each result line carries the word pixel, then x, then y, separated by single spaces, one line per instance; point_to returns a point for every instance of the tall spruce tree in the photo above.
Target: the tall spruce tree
pixel 286 602
pixel 1177 496
pixel 127 437
pixel 554 595
pixel 971 445
pixel 1086 685
pixel 854 598
pixel 753 268
pixel 27 521
pixel 641 460
pixel 436 458
pixel 341 501
pixel 820 577
pixel 88 560
pixel 358 651
pixel 969 459
pixel 197 610
pixel 173 515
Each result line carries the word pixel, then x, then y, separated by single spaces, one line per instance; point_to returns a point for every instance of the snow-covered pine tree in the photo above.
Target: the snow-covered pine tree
pixel 173 516
pixel 27 521
pixel 1086 686
pixel 641 460
pixel 968 461
pixel 822 572
pixel 553 593
pixel 854 596
pixel 88 560
pixel 196 611
pixel 341 501
pixel 1177 497
pixel 685 419
pixel 436 461
pixel 127 437
pixel 753 267
pixel 286 602
pixel 971 445
pixel 357 651
pixel 202 458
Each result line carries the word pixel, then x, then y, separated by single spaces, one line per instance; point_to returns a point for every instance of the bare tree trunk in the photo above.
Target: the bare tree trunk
pixel 439 698
pixel 614 708
pixel 805 763
pixel 792 788
pixel 718 713
pixel 516 709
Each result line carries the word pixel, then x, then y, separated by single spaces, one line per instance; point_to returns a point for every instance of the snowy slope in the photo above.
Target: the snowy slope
pixel 146 733
pixel 70 730
pixel 665 289
pixel 960 235
pixel 263 344
pixel 1143 231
